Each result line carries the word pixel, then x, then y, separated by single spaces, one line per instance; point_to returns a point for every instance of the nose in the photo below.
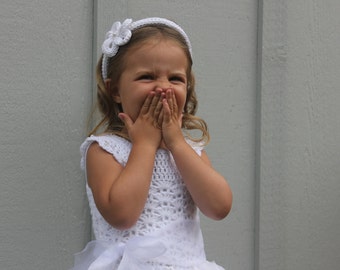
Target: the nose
pixel 163 85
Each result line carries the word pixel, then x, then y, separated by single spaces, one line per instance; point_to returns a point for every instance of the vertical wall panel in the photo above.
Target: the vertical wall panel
pixel 46 87
pixel 299 173
pixel 45 72
pixel 223 34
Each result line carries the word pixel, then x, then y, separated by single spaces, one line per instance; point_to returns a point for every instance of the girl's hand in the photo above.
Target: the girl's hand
pixel 171 120
pixel 146 128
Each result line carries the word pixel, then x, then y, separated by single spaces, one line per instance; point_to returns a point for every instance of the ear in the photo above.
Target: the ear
pixel 113 91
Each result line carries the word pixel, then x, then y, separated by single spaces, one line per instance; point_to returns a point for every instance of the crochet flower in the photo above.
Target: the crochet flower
pixel 119 35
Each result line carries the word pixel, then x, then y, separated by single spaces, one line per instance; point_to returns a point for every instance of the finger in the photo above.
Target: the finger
pixel 146 105
pixel 169 100
pixel 154 105
pixel 166 111
pixel 160 119
pixel 180 119
pixel 159 106
pixel 126 120
pixel 174 103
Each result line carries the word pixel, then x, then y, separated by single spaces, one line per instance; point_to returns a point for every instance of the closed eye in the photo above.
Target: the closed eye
pixel 145 77
pixel 177 79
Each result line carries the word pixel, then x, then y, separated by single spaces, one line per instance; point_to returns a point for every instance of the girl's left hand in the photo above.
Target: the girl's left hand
pixel 171 120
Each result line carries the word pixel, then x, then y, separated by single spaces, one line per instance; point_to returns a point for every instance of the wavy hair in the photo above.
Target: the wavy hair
pixel 109 109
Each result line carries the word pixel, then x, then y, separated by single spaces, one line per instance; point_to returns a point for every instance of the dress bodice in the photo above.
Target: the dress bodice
pixel 170 216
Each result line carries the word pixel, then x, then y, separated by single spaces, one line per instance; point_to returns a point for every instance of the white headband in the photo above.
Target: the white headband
pixel 120 34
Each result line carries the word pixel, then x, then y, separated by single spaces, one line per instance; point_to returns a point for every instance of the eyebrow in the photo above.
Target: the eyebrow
pixel 148 71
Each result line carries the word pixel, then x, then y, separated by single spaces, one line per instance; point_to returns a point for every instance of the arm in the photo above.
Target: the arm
pixel 120 192
pixel 209 189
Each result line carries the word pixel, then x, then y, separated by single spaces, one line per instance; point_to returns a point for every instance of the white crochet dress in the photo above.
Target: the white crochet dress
pixel 167 234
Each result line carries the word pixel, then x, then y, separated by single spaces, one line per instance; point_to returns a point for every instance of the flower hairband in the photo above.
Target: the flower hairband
pixel 121 33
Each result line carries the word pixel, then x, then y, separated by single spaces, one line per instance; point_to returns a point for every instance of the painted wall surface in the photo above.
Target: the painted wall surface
pixel 299 146
pixel 268 85
pixel 45 82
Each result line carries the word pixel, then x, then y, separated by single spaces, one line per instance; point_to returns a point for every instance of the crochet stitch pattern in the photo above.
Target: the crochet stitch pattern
pixel 169 207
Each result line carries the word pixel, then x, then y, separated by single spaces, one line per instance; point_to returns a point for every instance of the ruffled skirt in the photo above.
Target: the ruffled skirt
pixel 100 255
pixel 178 247
pixel 137 254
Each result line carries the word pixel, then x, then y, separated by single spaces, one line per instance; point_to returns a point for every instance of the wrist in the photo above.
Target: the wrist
pixel 179 145
pixel 145 146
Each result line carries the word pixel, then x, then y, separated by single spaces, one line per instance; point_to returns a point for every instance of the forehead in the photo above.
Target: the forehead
pixel 151 42
pixel 155 50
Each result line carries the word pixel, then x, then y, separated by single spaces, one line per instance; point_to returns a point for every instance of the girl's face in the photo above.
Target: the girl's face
pixel 156 64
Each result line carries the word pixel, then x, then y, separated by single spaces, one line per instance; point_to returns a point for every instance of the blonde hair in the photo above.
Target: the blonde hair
pixel 109 109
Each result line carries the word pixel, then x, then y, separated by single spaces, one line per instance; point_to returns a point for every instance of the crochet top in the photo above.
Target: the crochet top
pixel 167 234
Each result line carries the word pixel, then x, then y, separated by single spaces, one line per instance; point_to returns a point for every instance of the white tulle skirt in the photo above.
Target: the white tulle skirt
pixel 139 253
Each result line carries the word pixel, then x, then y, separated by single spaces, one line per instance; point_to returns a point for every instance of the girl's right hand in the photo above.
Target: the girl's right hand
pixel 120 192
pixel 146 128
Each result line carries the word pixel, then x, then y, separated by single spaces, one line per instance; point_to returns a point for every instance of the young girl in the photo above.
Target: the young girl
pixel 145 177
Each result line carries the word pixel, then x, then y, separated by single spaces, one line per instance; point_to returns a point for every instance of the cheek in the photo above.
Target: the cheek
pixel 181 99
pixel 132 104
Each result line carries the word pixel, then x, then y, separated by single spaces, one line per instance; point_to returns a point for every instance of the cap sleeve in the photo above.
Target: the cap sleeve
pixel 197 146
pixel 119 148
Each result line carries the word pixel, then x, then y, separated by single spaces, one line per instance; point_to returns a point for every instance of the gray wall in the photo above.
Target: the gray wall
pixel 268 85
pixel 299 135
pixel 45 82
